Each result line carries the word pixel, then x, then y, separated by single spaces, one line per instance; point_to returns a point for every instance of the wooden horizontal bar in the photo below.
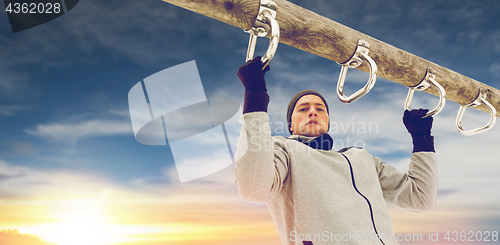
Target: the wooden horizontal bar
pixel 239 13
pixel 313 33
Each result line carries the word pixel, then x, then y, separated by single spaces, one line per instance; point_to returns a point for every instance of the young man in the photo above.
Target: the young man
pixel 317 195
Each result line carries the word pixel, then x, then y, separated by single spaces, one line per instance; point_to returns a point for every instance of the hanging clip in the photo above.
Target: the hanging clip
pixel 480 99
pixel 429 80
pixel 265 22
pixel 355 61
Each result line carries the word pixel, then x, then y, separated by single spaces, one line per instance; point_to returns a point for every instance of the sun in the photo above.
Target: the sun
pixel 84 225
pixel 82 222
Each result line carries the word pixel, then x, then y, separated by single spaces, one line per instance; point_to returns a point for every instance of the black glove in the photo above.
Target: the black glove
pixel 420 129
pixel 252 75
pixel 252 78
pixel 415 124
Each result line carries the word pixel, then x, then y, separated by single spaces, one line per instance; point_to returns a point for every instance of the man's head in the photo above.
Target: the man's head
pixel 308 114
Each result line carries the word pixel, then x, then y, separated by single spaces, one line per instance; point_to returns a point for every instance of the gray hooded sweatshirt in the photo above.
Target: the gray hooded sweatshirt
pixel 327 196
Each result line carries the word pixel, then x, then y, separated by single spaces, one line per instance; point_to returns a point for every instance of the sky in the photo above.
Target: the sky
pixel 72 172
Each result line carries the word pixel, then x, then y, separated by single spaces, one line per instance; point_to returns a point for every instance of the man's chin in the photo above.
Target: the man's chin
pixel 312 134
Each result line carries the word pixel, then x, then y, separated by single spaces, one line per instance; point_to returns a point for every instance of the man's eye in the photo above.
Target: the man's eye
pixel 319 109
pixel 303 109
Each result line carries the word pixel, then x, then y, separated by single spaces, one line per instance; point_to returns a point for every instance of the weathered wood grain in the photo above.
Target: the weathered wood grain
pixel 239 13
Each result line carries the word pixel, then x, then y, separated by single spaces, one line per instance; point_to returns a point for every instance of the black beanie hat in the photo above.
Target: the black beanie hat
pixel 296 98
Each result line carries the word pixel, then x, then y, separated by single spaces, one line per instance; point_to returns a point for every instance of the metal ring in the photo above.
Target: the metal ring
pixel 355 61
pixel 429 80
pixel 481 99
pixel 273 43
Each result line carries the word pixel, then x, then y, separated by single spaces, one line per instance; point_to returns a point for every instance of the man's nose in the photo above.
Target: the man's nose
pixel 313 112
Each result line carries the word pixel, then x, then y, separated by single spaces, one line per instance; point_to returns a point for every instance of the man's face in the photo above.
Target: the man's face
pixel 309 117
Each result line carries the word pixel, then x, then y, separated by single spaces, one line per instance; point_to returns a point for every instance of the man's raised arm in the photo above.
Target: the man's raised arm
pixel 261 164
pixel 417 189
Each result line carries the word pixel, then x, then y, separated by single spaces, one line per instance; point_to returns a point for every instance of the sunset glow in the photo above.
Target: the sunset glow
pixel 105 222
pixel 78 222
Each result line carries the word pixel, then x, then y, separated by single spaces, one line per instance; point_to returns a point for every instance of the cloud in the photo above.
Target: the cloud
pixel 13 237
pixel 495 69
pixel 217 188
pixel 15 148
pixel 8 172
pixel 125 113
pixel 26 183
pixel 495 39
pixel 81 130
pixel 11 86
pixel 11 110
pixel 225 175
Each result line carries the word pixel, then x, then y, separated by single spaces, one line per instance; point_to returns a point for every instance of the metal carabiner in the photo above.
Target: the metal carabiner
pixel 480 99
pixel 429 80
pixel 355 61
pixel 265 22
